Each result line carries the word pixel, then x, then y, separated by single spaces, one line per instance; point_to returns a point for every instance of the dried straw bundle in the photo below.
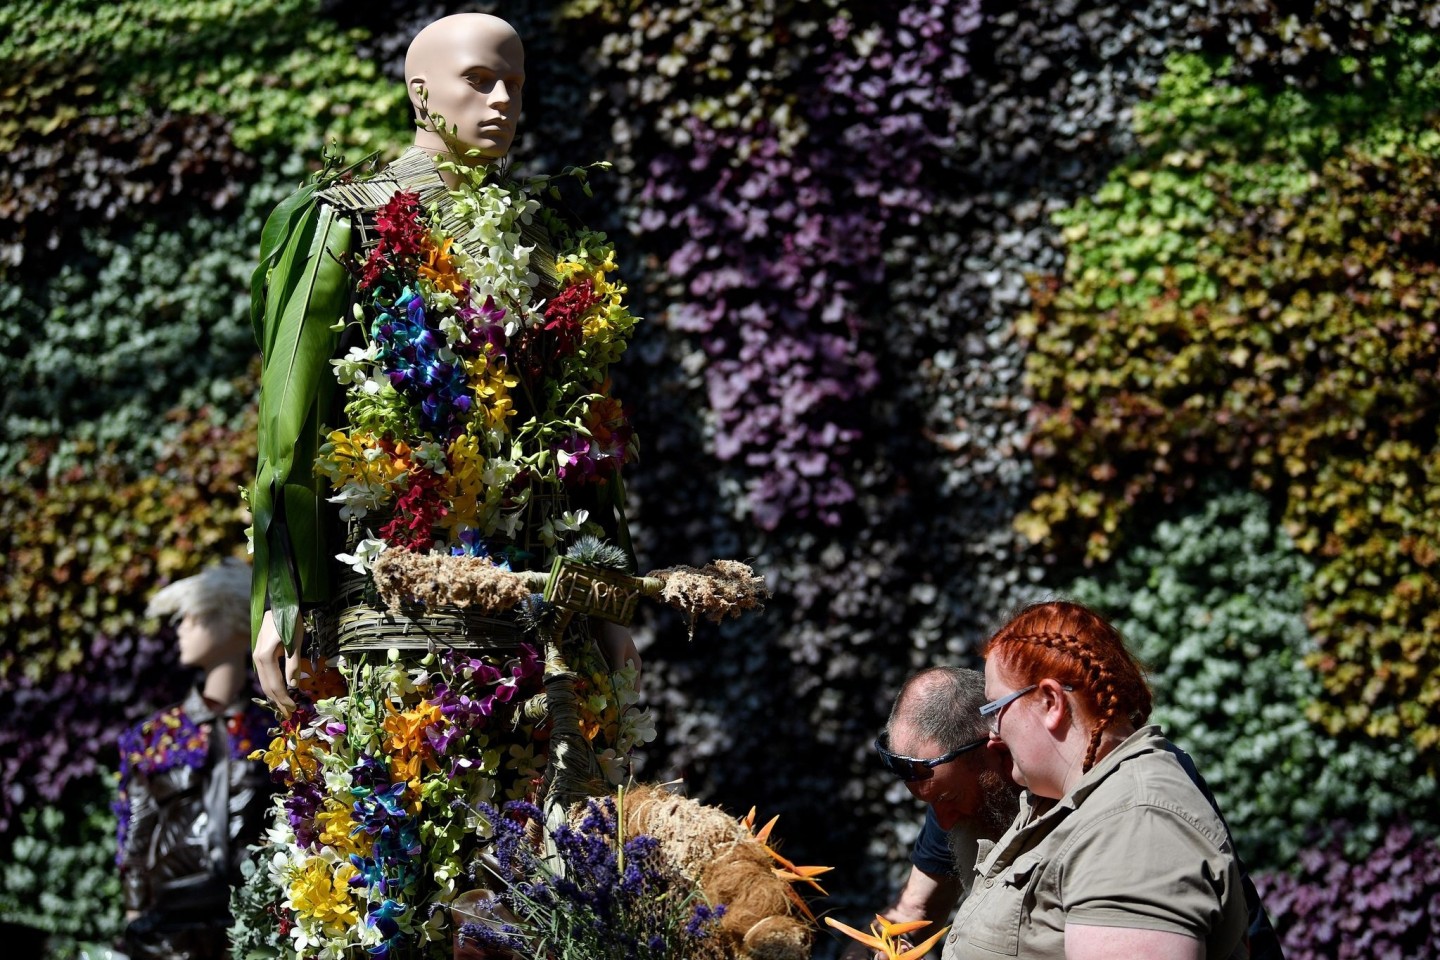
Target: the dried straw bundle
pixel 720 589
pixel 710 848
pixel 436 580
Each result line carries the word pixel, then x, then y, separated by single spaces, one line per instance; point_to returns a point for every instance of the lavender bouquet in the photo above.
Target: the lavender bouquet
pixel 595 895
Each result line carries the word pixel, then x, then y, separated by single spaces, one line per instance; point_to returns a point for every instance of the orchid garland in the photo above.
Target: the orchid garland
pixel 377 821
pixel 469 397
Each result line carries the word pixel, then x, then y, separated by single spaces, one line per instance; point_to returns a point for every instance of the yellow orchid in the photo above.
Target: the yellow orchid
pixel 464 484
pixel 358 457
pixel 885 937
pixel 491 383
pixel 322 893
pixel 293 754
pixel 337 829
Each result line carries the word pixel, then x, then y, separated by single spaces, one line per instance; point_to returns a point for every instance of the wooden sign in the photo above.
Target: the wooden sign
pixel 593 591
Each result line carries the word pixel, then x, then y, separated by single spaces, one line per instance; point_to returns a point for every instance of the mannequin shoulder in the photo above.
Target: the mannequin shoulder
pixel 360 197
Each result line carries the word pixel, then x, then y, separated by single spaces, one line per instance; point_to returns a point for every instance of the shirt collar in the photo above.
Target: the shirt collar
pixel 1035 820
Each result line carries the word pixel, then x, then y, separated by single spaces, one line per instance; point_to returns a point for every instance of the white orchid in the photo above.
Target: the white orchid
pixel 367 551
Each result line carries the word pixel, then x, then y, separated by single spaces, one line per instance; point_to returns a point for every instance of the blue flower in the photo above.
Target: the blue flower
pixel 382 918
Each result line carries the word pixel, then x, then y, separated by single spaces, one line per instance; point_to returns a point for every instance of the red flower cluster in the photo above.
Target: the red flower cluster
pixel 417 511
pixel 563 316
pixel 560 333
pixel 401 235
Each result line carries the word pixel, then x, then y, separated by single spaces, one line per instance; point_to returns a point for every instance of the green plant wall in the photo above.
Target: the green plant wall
pixel 1257 292
pixel 1212 600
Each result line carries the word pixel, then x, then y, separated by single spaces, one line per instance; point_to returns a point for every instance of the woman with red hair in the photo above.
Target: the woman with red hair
pixel 1116 851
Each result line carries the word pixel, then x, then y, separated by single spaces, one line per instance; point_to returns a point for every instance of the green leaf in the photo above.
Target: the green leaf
pixel 281 282
pixel 303 343
pixel 262 510
pixel 284 591
pixel 278 226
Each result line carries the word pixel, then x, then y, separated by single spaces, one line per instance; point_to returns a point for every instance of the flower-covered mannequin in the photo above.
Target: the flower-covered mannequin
pixel 434 397
pixel 190 799
pixel 469 71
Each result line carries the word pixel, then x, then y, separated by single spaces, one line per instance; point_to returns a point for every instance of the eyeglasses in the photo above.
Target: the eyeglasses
pixel 911 769
pixel 993 708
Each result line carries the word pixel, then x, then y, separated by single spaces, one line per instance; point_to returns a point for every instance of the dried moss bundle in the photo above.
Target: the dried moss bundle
pixel 724 588
pixel 777 938
pixel 748 888
pixel 435 580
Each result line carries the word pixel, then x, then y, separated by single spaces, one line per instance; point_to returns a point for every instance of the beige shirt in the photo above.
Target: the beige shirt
pixel 1133 844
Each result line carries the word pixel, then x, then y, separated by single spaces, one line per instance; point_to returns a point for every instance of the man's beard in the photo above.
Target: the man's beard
pixel 994 818
pixel 1002 802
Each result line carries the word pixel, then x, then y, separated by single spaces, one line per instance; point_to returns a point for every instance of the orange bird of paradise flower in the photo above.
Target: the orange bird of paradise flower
pixel 884 937
pixel 787 871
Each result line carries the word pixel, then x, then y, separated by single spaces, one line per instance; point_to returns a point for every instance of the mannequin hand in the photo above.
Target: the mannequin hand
pixel 267 656
pixel 618 646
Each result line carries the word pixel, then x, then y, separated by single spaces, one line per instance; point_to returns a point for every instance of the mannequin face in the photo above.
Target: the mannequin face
pixel 196 641
pixel 470 69
pixel 201 646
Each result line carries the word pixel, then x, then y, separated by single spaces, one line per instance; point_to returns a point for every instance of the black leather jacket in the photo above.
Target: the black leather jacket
pixel 194 802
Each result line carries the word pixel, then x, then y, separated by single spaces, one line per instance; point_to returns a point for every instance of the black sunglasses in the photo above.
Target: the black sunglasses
pixel 913 768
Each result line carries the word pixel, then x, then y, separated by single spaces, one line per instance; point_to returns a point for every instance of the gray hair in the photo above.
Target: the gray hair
pixel 943 704
pixel 220 597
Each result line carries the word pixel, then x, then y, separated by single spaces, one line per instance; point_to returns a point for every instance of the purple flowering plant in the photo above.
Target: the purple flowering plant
pixel 588 892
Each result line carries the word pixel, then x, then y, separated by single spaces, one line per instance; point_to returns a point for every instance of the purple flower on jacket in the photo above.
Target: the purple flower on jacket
pixel 482 328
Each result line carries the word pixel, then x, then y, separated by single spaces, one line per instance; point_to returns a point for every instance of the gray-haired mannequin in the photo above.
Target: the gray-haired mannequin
pixel 190 800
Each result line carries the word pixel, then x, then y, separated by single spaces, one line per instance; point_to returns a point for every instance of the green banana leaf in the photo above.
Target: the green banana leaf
pixel 261 512
pixel 279 227
pixel 612 494
pixel 284 591
pixel 305 512
pixel 303 342
pixel 304 293
pixel 286 276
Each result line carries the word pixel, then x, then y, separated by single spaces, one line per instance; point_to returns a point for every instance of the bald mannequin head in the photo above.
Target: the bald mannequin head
pixel 465 74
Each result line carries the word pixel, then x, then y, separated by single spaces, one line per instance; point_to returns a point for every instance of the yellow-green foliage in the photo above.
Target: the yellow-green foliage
pixel 244 60
pixel 1259 292
pixel 83 550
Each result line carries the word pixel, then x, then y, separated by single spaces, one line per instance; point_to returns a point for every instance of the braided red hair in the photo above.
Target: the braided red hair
pixel 1073 644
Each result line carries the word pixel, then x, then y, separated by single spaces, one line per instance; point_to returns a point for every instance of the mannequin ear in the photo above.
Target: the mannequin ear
pixel 419 97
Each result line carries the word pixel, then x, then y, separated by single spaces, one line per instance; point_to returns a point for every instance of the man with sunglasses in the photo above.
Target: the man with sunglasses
pixel 935 742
